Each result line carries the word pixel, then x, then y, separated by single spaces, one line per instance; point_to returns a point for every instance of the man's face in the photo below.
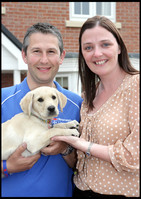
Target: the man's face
pixel 43 58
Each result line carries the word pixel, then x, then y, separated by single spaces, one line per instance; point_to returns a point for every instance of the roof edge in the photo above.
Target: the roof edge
pixel 11 37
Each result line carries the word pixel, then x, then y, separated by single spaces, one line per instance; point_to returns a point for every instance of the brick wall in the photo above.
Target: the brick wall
pixel 20 15
pixel 128 14
pixel 7 79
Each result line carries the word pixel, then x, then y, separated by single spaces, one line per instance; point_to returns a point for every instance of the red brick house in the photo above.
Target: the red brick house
pixel 68 17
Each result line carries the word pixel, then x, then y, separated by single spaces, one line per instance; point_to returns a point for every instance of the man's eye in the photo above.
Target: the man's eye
pixel 40 99
pixel 51 52
pixel 36 51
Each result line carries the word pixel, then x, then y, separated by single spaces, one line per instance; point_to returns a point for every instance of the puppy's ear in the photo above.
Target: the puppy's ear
pixel 62 100
pixel 26 103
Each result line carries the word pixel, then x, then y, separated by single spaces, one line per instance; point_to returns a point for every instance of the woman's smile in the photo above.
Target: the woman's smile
pixel 100 62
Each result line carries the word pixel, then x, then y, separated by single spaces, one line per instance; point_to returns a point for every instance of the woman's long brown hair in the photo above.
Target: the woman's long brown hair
pixel 88 78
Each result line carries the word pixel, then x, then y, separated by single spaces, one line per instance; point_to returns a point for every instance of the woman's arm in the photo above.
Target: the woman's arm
pixel 97 150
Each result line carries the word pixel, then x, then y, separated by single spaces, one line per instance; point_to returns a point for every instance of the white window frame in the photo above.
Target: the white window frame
pixel 64 75
pixel 92 12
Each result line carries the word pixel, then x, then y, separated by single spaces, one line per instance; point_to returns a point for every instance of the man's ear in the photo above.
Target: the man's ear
pixel 62 56
pixel 26 103
pixel 24 57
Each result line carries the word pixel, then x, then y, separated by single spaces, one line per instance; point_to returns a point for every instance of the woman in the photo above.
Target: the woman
pixel 108 148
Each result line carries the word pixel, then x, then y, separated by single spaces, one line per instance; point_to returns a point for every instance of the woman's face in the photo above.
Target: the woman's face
pixel 100 51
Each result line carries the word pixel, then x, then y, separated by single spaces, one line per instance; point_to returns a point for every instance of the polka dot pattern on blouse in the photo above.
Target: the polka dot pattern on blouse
pixel 115 124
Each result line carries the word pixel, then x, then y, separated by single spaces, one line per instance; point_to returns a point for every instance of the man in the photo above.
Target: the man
pixel 49 173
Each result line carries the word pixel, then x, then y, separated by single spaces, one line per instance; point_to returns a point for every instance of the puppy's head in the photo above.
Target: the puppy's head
pixel 43 102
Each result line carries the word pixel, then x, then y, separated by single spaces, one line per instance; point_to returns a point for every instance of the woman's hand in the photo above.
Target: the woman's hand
pixel 97 150
pixel 76 142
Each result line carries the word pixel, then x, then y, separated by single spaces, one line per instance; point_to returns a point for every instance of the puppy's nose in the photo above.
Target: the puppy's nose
pixel 51 108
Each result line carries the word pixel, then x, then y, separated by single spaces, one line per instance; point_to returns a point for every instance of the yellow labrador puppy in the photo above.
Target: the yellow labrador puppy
pixel 39 107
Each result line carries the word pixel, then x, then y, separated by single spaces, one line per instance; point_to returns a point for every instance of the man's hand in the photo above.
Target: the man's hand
pixel 54 148
pixel 17 163
pixel 60 147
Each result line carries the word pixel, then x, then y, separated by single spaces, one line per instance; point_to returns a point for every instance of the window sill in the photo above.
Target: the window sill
pixel 78 24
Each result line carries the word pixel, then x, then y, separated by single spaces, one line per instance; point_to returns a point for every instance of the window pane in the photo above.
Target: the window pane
pixel 58 79
pixel 85 8
pixel 63 81
pixel 103 8
pixel 80 11
pixel 77 8
pixel 107 8
pixel 99 8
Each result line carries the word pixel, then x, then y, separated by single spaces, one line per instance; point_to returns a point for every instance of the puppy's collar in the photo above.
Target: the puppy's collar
pixel 48 122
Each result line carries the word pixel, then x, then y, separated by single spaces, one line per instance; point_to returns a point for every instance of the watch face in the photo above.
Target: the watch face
pixel 68 151
pixel 89 148
pixel 88 153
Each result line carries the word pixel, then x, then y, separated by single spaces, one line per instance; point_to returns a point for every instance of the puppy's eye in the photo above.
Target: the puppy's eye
pixel 40 99
pixel 53 97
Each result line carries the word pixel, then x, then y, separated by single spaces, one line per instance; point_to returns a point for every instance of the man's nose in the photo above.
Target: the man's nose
pixel 44 58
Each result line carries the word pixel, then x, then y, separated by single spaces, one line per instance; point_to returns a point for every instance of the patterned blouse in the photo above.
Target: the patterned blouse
pixel 115 124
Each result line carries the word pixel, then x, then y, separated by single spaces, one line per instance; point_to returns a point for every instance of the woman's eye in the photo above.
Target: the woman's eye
pixel 106 44
pixel 88 48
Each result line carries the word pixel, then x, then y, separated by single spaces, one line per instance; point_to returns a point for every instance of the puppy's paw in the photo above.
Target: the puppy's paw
pixel 75 133
pixel 74 125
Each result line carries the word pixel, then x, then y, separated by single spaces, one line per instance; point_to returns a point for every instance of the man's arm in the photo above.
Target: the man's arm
pixel 71 159
pixel 17 163
pixel 60 147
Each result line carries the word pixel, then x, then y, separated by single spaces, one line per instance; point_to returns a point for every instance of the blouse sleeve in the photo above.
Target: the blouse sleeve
pixel 124 154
